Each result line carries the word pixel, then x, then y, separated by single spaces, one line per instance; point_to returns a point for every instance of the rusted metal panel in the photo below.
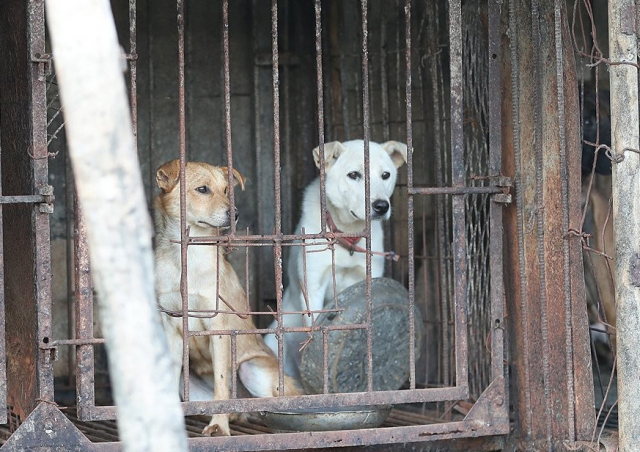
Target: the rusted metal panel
pixel 545 287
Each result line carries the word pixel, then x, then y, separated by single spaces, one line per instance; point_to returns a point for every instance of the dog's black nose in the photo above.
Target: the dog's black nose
pixel 236 214
pixel 380 207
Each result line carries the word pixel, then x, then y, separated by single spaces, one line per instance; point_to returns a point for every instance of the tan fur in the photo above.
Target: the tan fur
pixel 210 356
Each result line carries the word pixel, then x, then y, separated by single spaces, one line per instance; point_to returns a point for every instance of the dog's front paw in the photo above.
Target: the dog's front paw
pixel 219 426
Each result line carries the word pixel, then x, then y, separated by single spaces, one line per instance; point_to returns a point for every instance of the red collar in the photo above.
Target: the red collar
pixel 347 242
pixel 350 242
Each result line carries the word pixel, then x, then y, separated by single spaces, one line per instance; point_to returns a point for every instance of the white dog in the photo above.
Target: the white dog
pixel 346 212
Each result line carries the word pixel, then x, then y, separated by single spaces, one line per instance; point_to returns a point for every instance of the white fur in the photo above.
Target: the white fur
pixel 345 201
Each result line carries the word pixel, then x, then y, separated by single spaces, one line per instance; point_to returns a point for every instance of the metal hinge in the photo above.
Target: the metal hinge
pixel 505 183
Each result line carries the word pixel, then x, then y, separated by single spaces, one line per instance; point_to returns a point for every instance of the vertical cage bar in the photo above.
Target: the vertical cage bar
pixel 366 126
pixel 227 108
pixel 410 212
pixel 320 100
pixel 184 230
pixel 458 179
pixel 277 186
pixel 276 115
pixel 85 364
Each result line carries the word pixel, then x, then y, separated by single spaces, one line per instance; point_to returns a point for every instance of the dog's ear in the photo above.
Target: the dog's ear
pixel 167 175
pixel 332 151
pixel 239 178
pixel 397 151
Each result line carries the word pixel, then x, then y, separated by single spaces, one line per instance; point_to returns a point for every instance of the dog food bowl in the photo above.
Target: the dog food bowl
pixel 347 348
pixel 325 419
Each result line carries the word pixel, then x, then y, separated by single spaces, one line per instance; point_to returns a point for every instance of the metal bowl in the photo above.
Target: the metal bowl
pixel 324 419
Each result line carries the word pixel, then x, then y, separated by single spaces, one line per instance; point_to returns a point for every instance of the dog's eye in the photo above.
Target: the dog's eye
pixel 203 189
pixel 354 175
pixel 386 175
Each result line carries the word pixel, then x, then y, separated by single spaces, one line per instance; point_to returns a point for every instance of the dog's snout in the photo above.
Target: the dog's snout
pixel 380 207
pixel 235 214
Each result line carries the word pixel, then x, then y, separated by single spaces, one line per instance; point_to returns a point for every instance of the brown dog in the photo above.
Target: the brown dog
pixel 207 210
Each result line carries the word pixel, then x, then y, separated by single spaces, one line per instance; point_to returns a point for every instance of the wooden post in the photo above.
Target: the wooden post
pixel 626 213
pixel 89 65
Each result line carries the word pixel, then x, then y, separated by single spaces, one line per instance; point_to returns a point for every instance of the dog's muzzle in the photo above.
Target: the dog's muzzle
pixel 380 207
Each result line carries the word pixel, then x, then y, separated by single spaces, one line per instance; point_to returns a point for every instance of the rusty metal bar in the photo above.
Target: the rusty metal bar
pixel 41 231
pixel 184 229
pixel 410 209
pixel 366 124
pixel 325 361
pixel 320 100
pixel 227 240
pixel 226 74
pixel 234 365
pixel 458 179
pixel 294 329
pixel 456 191
pixel 85 365
pixel 246 405
pixel 448 436
pixel 60 342
pixel 24 199
pixel 277 250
